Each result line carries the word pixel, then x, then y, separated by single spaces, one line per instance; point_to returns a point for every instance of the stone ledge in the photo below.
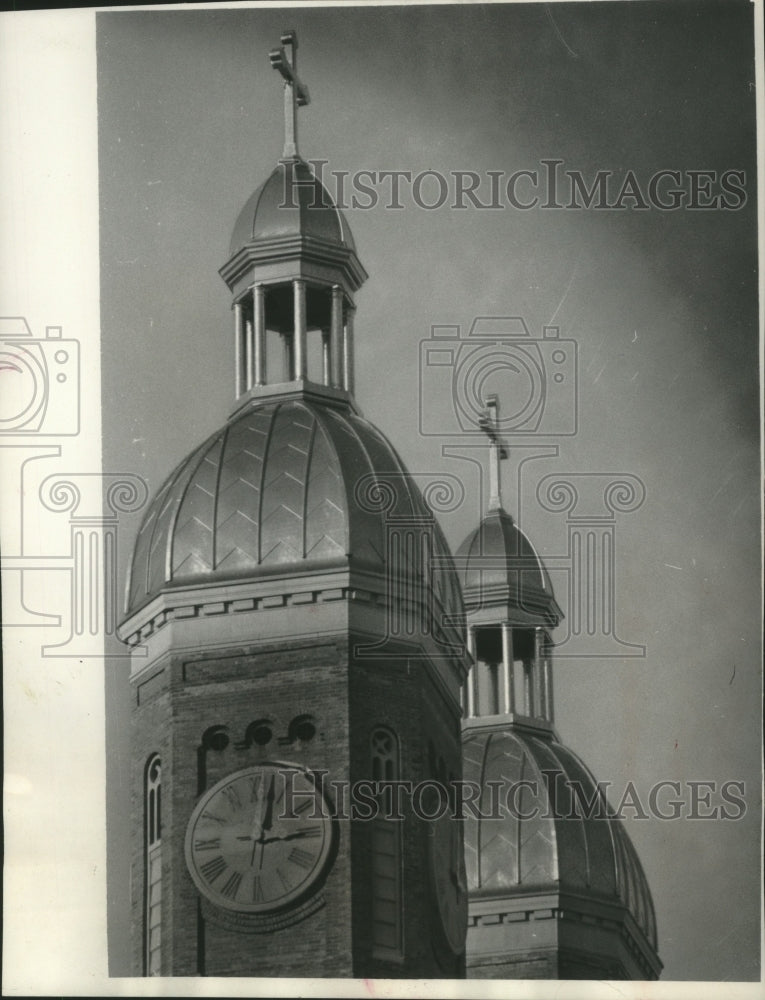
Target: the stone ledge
pixel 618 927
pixel 238 605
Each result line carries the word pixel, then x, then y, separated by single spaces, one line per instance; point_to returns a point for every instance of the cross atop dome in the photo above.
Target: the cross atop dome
pixel 295 91
pixel 293 273
pixel 489 424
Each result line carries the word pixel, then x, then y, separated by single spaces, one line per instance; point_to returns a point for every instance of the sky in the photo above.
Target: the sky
pixel 660 305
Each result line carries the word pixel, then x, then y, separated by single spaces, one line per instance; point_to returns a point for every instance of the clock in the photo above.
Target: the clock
pixel 260 839
pixel 448 880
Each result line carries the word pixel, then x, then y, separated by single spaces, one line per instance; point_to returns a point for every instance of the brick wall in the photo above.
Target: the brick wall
pixel 184 695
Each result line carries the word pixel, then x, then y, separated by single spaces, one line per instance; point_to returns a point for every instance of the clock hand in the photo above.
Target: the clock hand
pixel 265 824
pixel 259 823
pixel 269 816
pixel 290 836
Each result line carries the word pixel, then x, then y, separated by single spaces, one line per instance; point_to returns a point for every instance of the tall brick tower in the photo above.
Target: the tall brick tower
pixel 296 603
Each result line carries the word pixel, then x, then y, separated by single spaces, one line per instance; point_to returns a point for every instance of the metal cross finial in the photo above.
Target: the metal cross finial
pixel 295 92
pixel 489 423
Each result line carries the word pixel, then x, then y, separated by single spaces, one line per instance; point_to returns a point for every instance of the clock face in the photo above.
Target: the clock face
pixel 447 869
pixel 259 839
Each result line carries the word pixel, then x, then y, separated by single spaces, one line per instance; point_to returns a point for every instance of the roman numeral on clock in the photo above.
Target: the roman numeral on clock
pixel 213 817
pixel 207 845
pixel 232 797
pixel 231 887
pixel 300 857
pixel 213 868
pixel 257 890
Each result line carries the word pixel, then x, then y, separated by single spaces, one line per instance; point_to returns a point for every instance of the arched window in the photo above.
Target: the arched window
pixel 153 867
pixel 387 920
pixel 384 755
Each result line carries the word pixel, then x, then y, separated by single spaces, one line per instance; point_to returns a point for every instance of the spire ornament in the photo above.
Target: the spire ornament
pixel 489 424
pixel 295 91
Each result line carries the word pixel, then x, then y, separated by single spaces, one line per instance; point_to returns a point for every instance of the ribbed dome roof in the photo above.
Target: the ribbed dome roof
pixel 557 848
pixel 291 202
pixel 288 486
pixel 497 558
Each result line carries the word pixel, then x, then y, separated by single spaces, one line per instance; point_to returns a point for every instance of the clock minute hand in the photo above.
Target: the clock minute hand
pixel 266 822
pixel 258 823
pixel 268 818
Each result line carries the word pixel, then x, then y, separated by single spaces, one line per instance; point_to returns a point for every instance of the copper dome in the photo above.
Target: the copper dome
pixel 291 202
pixel 547 841
pixel 497 563
pixel 288 487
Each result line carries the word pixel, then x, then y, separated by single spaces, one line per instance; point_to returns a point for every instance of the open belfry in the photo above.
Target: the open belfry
pixel 305 644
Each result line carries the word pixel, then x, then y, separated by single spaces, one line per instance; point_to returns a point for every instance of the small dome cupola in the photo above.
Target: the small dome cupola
pixel 510 607
pixel 292 272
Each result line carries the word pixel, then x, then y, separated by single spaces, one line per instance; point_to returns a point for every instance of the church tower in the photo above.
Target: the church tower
pixel 298 647
pixel 556 889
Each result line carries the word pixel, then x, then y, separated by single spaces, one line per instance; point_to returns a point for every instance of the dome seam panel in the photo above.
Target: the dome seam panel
pixel 479 838
pixel 170 545
pixel 400 468
pixel 365 451
pixel 216 498
pixel 518 844
pixel 174 477
pixel 306 474
pixel 261 491
pixel 320 421
pixel 585 839
pixel 257 209
pixel 542 783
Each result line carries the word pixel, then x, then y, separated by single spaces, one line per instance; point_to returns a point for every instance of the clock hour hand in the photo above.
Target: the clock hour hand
pixel 291 836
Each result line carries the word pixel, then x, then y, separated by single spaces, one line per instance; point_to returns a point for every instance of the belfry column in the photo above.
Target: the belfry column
pixel 528 687
pixel 239 351
pixel 325 372
pixel 549 711
pixel 540 686
pixel 300 330
pixel 348 349
pixel 508 678
pixel 470 682
pixel 336 338
pixel 259 313
pixel 249 353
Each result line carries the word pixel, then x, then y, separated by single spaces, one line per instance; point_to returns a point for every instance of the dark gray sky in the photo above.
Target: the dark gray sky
pixel 662 305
